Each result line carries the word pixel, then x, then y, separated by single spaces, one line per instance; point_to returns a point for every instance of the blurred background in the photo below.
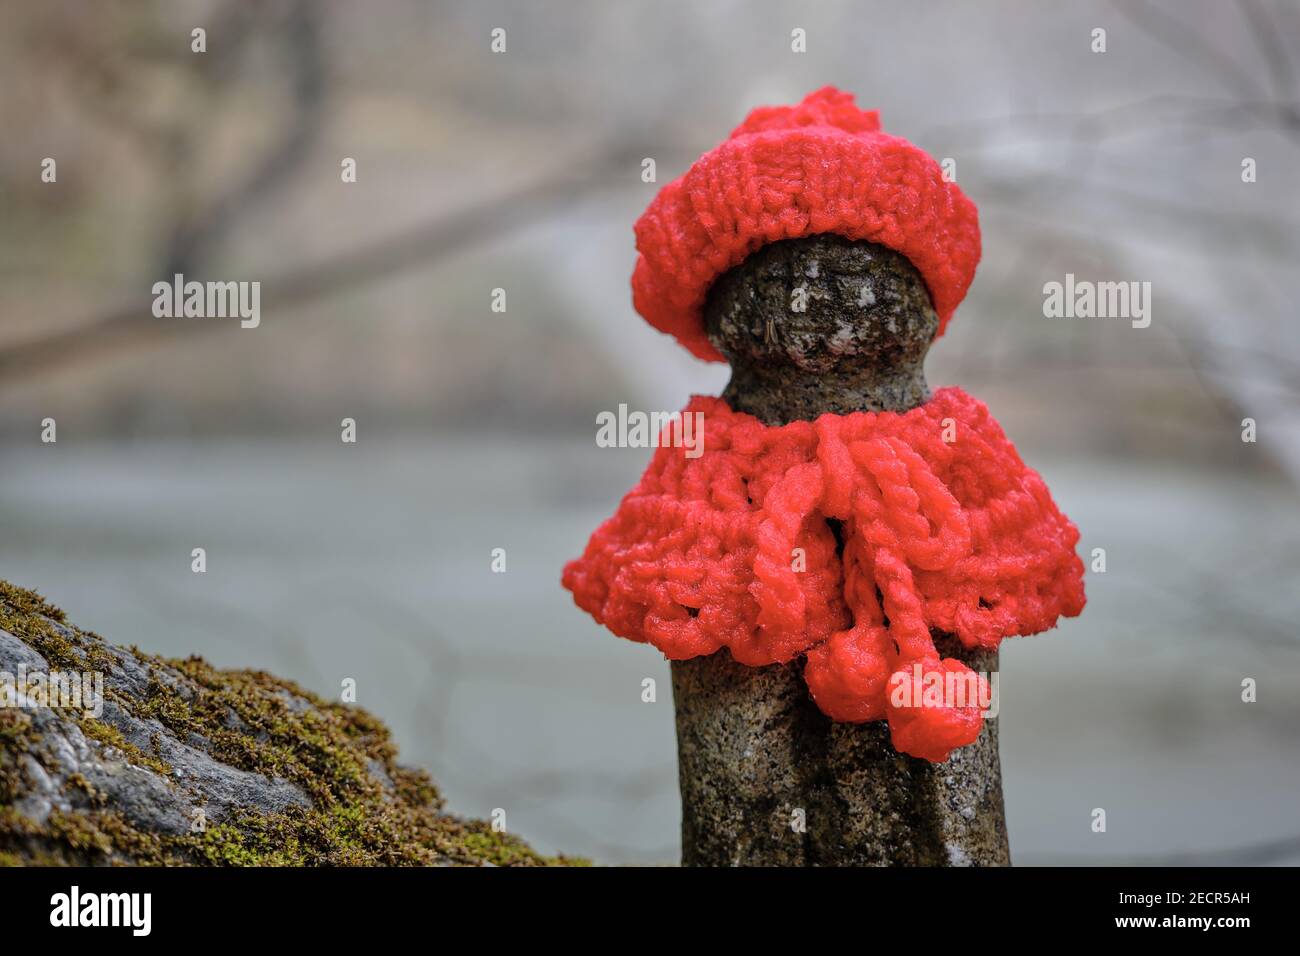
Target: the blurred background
pixel 476 429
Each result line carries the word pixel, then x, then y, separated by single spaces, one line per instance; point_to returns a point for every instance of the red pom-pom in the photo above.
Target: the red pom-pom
pixel 847 675
pixel 935 709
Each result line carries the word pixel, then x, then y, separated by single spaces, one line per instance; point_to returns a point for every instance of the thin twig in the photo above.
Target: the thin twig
pixel 134 324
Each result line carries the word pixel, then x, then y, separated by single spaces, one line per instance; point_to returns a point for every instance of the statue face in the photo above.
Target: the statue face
pixel 822 304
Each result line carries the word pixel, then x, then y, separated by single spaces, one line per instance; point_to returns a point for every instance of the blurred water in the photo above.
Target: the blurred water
pixel 373 561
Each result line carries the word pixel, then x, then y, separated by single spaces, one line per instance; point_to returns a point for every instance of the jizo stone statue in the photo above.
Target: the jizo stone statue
pixel 833 570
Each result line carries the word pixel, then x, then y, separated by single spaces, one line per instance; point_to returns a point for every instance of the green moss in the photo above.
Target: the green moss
pixel 15 726
pixel 15 738
pixel 110 736
pixel 29 617
pixel 256 722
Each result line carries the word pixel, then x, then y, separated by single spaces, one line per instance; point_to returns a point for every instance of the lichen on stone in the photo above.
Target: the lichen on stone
pixel 191 765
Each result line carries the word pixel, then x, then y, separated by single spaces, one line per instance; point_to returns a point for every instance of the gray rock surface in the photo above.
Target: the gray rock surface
pixel 174 762
pixel 156 802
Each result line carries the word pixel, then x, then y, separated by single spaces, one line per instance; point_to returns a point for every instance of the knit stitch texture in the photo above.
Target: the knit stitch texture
pixel 943 528
pixel 823 166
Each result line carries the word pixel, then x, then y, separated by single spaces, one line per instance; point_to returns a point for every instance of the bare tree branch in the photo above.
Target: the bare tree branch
pixel 134 325
pixel 1270 44
pixel 1170 31
pixel 298 33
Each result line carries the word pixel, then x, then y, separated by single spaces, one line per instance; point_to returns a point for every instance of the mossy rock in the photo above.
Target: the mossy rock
pixel 190 765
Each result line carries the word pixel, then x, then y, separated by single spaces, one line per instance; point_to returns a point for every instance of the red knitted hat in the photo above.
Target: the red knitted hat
pixel 793 171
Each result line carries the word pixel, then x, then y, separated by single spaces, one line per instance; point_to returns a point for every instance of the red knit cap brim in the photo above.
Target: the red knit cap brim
pixel 822 166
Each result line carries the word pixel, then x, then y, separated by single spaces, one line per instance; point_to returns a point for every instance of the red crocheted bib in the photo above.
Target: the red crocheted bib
pixel 941 527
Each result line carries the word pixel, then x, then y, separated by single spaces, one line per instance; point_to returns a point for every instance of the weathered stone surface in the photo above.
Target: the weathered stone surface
pixel 766 778
pixel 187 764
pixel 819 325
pixel 754 750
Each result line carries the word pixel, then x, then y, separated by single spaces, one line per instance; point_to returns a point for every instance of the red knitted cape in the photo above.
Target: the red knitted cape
pixel 944 528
